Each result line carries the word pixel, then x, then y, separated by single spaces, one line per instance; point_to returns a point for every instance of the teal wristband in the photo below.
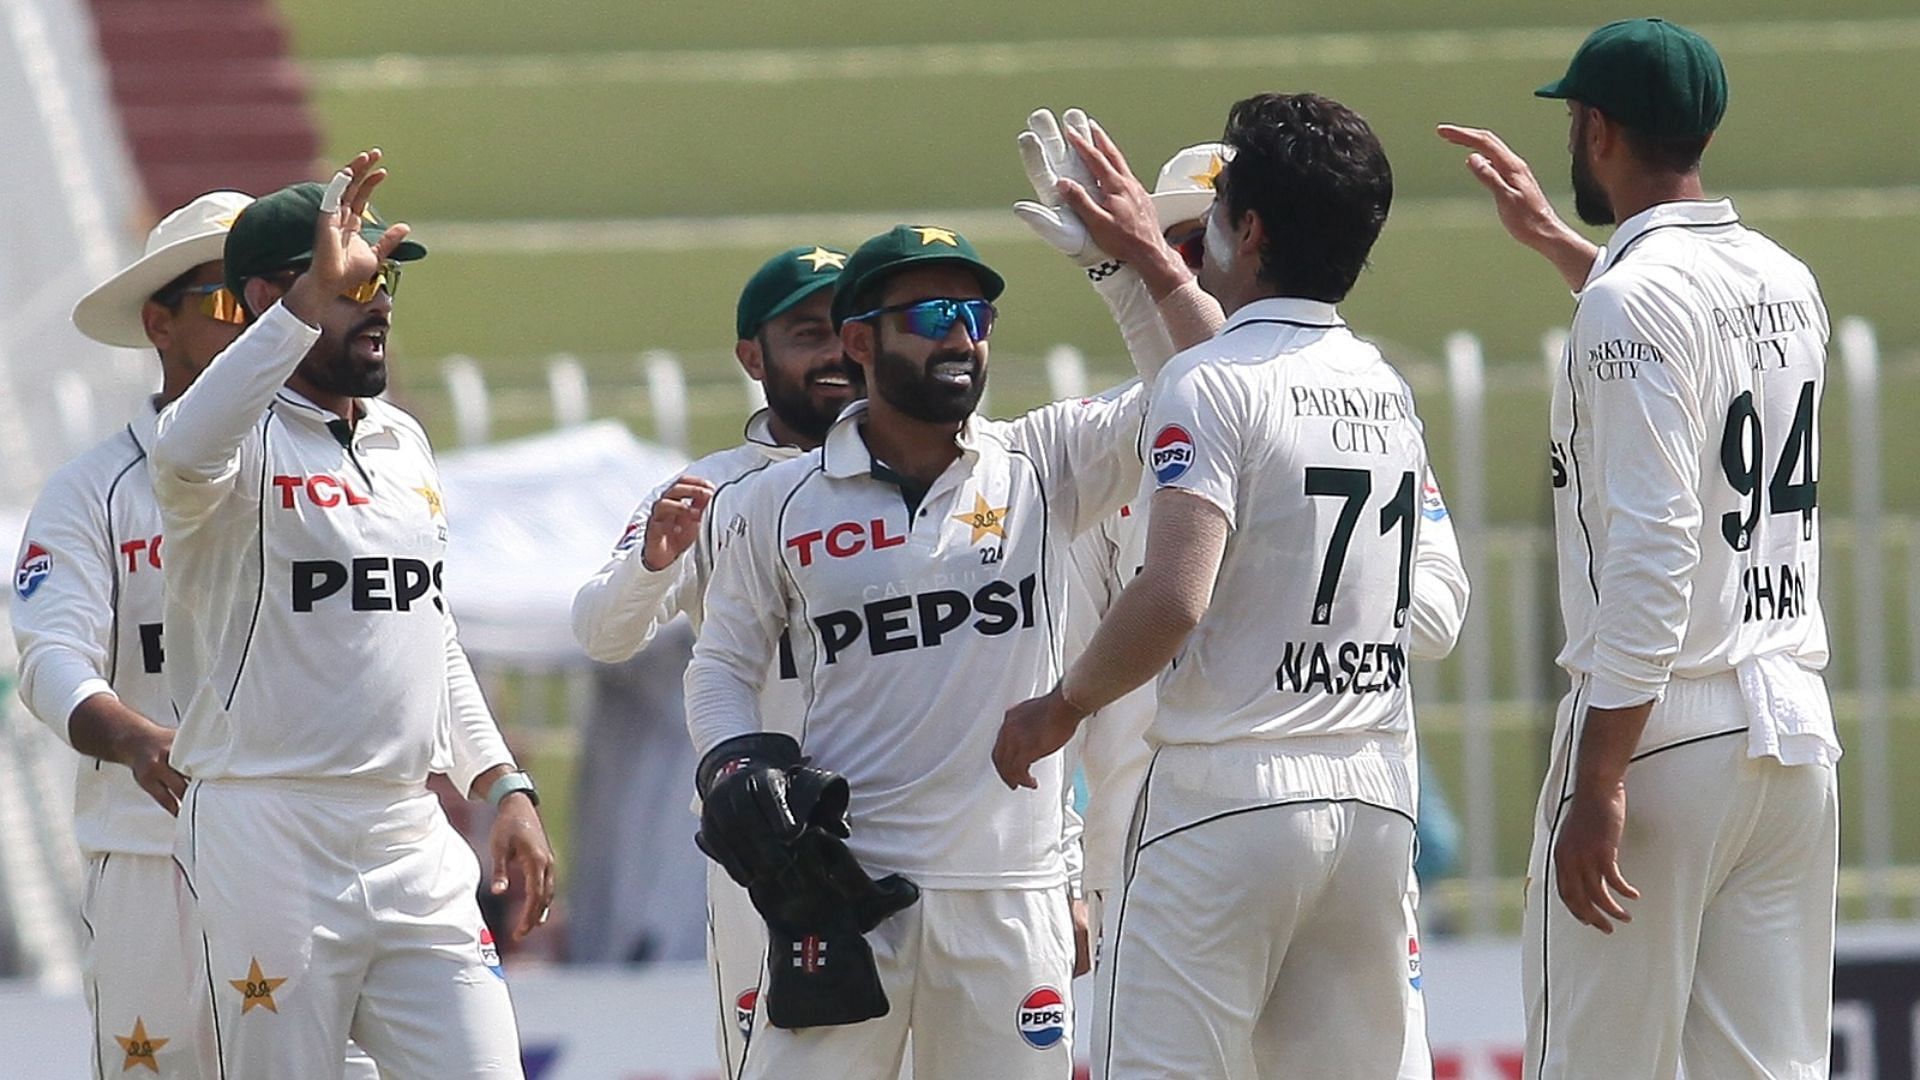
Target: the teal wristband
pixel 510 783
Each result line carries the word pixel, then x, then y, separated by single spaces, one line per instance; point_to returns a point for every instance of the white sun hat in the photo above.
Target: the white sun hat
pixel 1185 188
pixel 194 234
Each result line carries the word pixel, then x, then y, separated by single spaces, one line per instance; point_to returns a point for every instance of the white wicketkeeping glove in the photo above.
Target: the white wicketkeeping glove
pixel 1048 158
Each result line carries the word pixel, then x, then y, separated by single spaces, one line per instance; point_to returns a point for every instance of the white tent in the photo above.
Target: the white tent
pixel 529 521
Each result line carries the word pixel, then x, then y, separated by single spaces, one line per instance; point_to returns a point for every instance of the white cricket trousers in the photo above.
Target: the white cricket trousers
pixel 1727 967
pixel 736 953
pixel 146 973
pixel 337 908
pixel 980 979
pixel 1257 939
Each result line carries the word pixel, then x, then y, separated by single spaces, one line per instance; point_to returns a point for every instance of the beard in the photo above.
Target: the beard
pixel 335 367
pixel 915 389
pixel 1590 201
pixel 790 397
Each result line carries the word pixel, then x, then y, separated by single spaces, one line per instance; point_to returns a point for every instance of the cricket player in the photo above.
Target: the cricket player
pixel 914 564
pixel 87 621
pixel 1112 747
pixel 317 676
pixel 658 569
pixel 1271 855
pixel 1681 889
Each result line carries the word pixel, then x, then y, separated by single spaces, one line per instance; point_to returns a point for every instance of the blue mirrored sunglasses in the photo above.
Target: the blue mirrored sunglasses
pixel 934 319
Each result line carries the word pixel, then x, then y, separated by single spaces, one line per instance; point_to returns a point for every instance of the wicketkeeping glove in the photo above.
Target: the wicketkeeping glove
pixel 1048 158
pixel 747 820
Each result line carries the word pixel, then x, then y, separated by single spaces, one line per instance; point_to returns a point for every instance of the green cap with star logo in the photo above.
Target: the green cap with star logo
pixel 275 232
pixel 783 281
pixel 1649 74
pixel 905 246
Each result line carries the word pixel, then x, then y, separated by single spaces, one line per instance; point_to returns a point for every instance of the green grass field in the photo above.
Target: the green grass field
pixel 598 178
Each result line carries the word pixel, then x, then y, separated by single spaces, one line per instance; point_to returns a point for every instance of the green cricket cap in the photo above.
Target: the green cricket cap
pixel 903 247
pixel 783 281
pixel 275 232
pixel 1649 74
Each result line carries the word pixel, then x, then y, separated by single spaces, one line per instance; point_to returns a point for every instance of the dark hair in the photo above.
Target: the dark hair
pixel 1668 153
pixel 1316 176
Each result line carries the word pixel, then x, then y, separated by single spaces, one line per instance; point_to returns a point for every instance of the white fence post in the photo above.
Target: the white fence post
pixel 1860 357
pixel 567 386
pixel 1466 383
pixel 1066 372
pixel 667 394
pixel 467 391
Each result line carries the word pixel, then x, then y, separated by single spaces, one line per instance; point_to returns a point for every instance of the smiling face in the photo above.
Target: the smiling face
pixel 932 381
pixel 798 360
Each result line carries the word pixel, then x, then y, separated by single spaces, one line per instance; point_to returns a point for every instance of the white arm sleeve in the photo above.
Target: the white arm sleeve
pixel 746 612
pixel 63 627
pixel 1088 453
pixel 619 610
pixel 1139 320
pixel 1648 433
pixel 197 454
pixel 475 735
pixel 1440 588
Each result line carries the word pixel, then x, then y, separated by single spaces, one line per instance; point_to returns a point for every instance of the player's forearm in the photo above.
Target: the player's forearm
pixel 1570 253
pixel 1190 315
pixel 479 749
pixel 1608 739
pixel 1154 614
pixel 1138 317
pixel 1440 592
pixel 721 704
pixel 104 727
pixel 200 432
pixel 619 610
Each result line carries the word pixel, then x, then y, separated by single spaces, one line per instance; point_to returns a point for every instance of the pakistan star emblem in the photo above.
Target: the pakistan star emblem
pixel 434 506
pixel 140 1047
pixel 255 989
pixel 934 234
pixel 1207 177
pixel 820 257
pixel 984 520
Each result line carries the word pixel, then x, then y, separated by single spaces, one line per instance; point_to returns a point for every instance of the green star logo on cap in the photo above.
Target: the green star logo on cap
pixel 820 257
pixel 934 234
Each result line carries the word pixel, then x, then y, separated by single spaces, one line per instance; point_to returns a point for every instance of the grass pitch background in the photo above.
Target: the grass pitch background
pixel 598 178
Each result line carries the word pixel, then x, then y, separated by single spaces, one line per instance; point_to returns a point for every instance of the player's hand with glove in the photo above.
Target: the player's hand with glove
pixel 748 821
pixel 1524 208
pixel 1048 160
pixel 1117 211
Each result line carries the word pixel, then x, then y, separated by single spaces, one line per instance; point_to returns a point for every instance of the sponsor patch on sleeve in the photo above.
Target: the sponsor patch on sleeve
pixel 1171 454
pixel 1431 504
pixel 35 564
pixel 635 530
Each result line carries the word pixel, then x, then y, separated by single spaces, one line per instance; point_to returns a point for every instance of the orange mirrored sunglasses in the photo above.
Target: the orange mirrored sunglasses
pixel 219 304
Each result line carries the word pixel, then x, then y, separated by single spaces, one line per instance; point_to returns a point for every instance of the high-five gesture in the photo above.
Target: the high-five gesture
pixel 1048 160
pixel 342 258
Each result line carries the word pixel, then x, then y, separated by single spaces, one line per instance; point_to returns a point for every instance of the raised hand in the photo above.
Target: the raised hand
pixel 1048 160
pixel 342 258
pixel 1524 209
pixel 674 522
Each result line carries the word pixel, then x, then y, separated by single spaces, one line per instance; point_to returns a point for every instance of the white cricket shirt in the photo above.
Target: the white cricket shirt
pixel 1684 434
pixel 1307 440
pixel 913 631
pixel 307 634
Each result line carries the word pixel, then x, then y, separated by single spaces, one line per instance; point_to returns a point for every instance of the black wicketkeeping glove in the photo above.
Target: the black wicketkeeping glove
pixel 747 820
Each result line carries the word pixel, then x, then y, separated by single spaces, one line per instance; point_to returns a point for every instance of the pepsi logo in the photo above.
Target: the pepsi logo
pixel 1431 504
pixel 35 565
pixel 490 953
pixel 1043 1018
pixel 630 537
pixel 1413 961
pixel 743 1012
pixel 1171 454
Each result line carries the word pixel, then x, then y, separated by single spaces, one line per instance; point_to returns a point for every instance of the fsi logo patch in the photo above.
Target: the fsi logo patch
pixel 1043 1018
pixel 35 565
pixel 1171 455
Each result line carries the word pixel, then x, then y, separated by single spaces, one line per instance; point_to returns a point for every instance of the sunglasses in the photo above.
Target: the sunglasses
pixel 1191 245
pixel 216 303
pixel 387 277
pixel 934 319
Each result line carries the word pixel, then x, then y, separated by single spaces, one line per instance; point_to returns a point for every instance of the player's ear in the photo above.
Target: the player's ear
pixel 157 321
pixel 747 351
pixel 857 339
pixel 1252 237
pixel 260 295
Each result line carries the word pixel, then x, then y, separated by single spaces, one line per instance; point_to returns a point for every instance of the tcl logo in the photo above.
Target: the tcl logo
pixel 139 552
pixel 323 490
pixel 846 539
pixel 378 582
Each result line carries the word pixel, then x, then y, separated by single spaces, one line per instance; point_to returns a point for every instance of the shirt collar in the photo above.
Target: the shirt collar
pixel 1694 213
pixel 760 429
pixel 1295 310
pixel 845 453
pixel 144 428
